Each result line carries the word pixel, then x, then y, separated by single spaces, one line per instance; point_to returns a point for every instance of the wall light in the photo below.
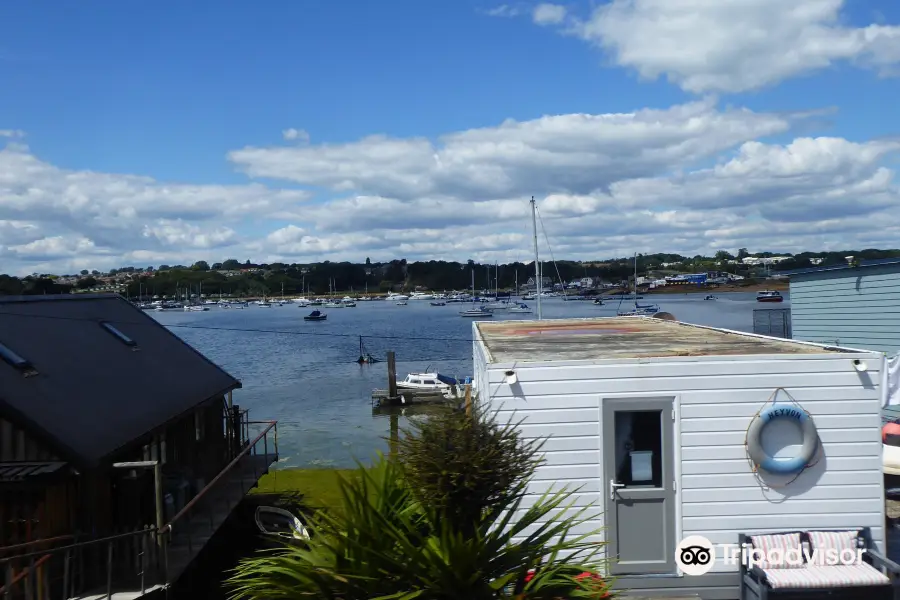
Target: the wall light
pixel 860 365
pixel 511 378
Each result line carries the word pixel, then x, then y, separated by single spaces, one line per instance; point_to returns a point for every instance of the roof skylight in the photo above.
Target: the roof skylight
pixel 121 336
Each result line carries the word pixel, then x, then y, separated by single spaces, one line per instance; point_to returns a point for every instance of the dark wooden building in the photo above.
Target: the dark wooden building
pixel 111 428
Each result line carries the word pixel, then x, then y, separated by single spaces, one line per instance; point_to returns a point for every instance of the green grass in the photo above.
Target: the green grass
pixel 318 486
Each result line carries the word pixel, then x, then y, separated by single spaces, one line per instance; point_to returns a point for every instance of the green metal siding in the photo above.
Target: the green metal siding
pixel 853 307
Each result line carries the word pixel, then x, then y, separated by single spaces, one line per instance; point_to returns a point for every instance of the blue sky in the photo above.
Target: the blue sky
pixel 176 91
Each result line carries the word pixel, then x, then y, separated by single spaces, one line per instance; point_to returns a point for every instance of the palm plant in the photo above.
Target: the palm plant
pixel 396 538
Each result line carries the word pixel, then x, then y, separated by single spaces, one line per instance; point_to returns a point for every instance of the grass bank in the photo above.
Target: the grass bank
pixel 319 487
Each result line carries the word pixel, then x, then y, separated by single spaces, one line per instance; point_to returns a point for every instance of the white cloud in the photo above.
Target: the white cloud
pixel 504 10
pixel 576 153
pixel 735 45
pixel 12 133
pixel 298 135
pixel 548 14
pixel 691 178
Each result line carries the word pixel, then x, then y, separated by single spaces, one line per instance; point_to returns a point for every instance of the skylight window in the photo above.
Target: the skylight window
pixel 121 336
pixel 14 360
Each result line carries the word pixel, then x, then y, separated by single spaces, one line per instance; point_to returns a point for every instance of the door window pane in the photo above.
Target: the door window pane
pixel 639 448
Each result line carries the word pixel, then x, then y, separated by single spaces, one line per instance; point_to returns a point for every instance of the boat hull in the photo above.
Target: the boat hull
pixel 771 299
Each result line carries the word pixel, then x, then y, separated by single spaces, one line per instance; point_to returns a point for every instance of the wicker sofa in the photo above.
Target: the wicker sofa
pixel 874 577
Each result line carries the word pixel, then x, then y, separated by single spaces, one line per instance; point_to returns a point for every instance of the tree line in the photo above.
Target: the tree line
pixel 250 279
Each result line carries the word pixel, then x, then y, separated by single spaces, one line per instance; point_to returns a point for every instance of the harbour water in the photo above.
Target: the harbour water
pixel 305 375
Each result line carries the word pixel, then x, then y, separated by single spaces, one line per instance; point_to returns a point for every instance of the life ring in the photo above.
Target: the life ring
pixel 771 464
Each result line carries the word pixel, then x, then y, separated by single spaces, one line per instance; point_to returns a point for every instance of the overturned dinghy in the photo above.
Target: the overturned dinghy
pixel 281 525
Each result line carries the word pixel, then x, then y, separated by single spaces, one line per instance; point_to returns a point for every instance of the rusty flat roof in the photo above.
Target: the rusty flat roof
pixel 621 337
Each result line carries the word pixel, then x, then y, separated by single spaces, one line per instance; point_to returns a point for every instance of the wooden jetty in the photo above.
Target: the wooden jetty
pixel 392 396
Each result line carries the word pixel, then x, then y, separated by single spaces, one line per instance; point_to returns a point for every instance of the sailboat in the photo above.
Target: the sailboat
pixel 331 303
pixel 481 311
pixel 639 309
pixel 498 304
pixel 365 358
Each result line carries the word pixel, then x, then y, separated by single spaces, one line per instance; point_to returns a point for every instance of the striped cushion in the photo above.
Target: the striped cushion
pixel 825 577
pixel 842 545
pixel 782 543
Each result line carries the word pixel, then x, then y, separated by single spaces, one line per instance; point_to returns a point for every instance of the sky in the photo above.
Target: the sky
pixel 165 132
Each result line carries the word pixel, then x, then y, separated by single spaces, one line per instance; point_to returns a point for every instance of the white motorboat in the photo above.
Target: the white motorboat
pixel 348 302
pixel 332 304
pixel 480 312
pixel 397 297
pixel 427 381
pixel 421 296
pixel 402 303
pixel 195 308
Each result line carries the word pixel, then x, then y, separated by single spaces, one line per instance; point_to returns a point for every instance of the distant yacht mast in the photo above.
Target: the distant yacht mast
pixel 537 263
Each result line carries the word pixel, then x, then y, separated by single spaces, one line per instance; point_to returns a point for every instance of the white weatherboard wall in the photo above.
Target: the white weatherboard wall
pixel 848 307
pixel 715 398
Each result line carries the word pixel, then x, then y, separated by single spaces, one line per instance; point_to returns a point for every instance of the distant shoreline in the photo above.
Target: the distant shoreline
pixel 779 285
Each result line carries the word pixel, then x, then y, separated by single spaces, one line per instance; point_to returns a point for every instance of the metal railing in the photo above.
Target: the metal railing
pixel 250 449
pixel 138 557
pixel 38 576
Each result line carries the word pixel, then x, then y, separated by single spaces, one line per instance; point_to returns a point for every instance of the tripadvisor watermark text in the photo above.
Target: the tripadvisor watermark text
pixel 696 555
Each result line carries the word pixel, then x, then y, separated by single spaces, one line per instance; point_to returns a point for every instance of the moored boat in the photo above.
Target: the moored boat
pixel 769 296
pixel 315 316
pixel 477 312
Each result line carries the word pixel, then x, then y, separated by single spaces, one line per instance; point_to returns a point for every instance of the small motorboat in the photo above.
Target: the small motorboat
pixel 477 312
pixel 598 302
pixel 711 297
pixel 280 525
pixel 427 381
pixel 769 296
pixel 315 316
pixel 402 303
pixel 439 304
pixel 521 307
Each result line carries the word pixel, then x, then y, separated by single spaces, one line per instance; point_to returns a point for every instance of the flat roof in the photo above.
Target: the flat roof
pixel 842 267
pixel 622 337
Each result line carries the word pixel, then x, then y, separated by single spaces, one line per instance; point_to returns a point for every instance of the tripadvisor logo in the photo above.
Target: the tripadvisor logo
pixel 696 555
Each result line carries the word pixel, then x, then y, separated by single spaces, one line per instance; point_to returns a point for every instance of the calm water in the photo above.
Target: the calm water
pixel 308 380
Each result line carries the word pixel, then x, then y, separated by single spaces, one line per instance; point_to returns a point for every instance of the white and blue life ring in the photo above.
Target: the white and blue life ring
pixel 771 464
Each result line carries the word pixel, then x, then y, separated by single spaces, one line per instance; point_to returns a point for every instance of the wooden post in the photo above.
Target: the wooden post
pixel 468 400
pixel 392 374
pixel 395 432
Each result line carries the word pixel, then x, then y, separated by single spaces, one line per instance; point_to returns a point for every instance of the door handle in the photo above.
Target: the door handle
pixel 613 486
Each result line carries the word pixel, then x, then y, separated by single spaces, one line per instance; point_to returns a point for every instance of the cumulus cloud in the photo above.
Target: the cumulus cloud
pixel 548 14
pixel 576 153
pixel 691 178
pixel 716 46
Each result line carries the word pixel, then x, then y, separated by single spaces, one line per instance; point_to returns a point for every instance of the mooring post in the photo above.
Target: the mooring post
pixel 468 399
pixel 392 374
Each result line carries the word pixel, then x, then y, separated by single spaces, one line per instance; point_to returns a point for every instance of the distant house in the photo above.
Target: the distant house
pixel 847 305
pixel 116 440
pixel 530 285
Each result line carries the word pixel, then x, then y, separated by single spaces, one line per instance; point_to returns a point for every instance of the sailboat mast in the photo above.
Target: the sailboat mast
pixel 537 262
pixel 635 280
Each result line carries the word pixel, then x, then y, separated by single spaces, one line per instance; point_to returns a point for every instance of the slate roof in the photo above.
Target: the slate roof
pixel 93 393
